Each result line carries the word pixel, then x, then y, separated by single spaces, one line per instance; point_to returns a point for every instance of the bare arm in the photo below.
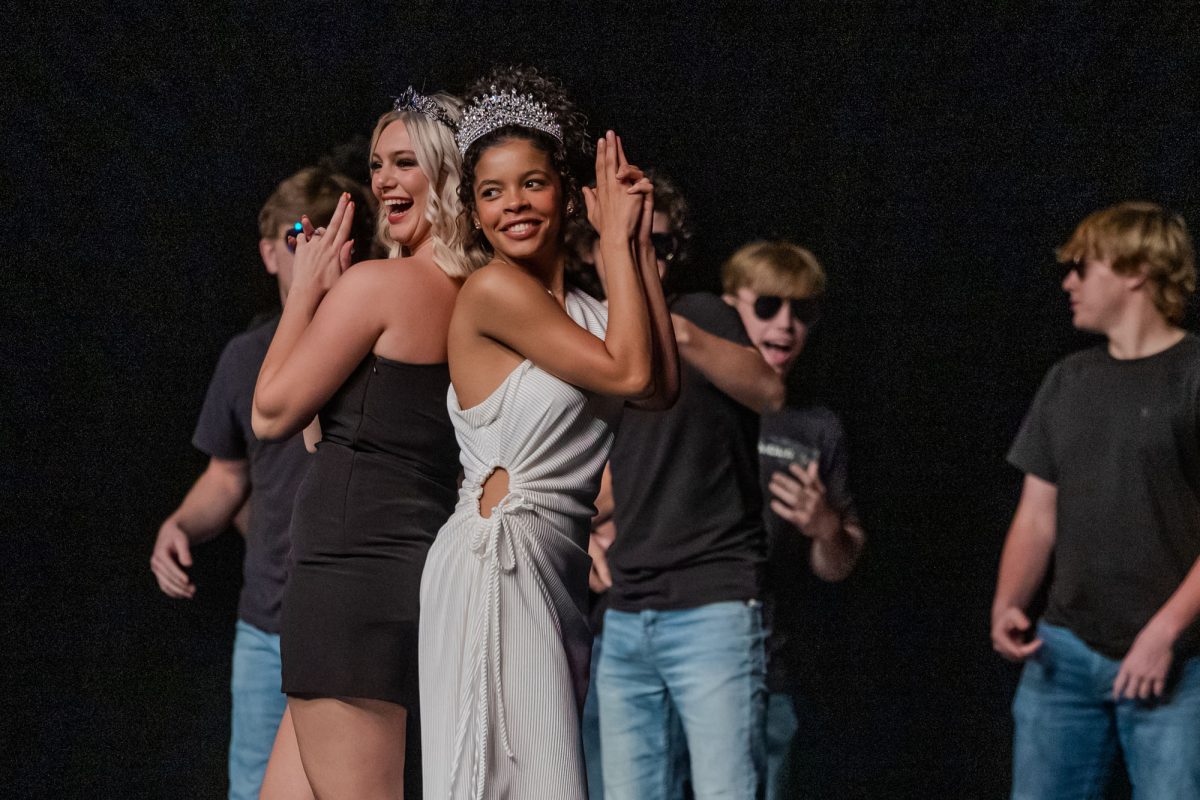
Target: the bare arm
pixel 1144 669
pixel 505 304
pixel 1023 564
pixel 604 532
pixel 604 499
pixel 326 329
pixel 207 510
pixel 312 435
pixel 737 370
pixel 833 558
pixel 665 350
pixel 1182 608
pixel 241 520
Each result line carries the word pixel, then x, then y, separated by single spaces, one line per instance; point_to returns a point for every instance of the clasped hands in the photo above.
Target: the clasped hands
pixel 323 254
pixel 621 205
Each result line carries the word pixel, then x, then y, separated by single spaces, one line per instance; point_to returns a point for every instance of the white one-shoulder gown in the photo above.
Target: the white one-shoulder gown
pixel 504 639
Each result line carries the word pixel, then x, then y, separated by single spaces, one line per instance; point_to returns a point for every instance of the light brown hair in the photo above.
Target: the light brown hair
pixel 774 268
pixel 1143 238
pixel 313 191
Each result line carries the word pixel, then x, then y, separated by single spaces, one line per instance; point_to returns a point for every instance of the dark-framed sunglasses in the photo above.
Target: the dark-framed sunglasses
pixel 666 246
pixel 804 309
pixel 289 238
pixel 1078 266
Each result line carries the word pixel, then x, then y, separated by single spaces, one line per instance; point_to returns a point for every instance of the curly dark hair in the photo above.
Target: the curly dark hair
pixel 669 200
pixel 571 158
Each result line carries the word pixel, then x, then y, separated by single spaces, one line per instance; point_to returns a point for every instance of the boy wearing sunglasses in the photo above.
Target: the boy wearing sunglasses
pixel 261 477
pixel 1111 454
pixel 812 526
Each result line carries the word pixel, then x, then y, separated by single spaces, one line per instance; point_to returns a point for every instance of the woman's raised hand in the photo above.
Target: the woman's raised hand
pixel 615 205
pixel 323 254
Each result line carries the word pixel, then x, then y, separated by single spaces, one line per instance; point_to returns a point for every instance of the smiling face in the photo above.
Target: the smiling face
pixel 518 200
pixel 400 186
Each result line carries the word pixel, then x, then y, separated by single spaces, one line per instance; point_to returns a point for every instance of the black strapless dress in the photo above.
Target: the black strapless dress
pixel 383 481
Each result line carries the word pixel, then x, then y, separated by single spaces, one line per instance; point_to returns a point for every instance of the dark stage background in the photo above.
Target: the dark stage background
pixel 931 157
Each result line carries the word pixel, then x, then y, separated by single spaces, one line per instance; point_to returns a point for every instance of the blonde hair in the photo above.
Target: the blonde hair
pixel 774 268
pixel 1143 238
pixel 440 162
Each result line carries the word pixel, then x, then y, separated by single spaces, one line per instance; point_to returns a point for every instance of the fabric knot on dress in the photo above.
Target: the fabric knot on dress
pixel 491 541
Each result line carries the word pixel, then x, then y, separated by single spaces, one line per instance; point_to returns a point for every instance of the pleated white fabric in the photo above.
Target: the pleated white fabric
pixel 504 639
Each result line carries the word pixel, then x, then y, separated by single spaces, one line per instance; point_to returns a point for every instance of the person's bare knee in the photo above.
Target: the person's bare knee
pixel 495 487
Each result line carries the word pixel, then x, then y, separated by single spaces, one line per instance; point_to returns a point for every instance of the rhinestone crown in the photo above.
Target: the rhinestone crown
pixel 412 100
pixel 488 112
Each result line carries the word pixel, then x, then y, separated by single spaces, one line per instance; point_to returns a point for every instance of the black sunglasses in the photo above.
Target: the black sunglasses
pixel 666 246
pixel 1078 266
pixel 289 238
pixel 804 309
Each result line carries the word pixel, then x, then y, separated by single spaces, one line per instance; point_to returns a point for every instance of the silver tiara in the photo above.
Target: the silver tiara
pixel 499 109
pixel 412 100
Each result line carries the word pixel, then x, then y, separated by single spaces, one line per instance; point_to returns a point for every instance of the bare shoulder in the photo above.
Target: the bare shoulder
pixel 368 272
pixel 498 285
pixel 415 299
pixel 404 280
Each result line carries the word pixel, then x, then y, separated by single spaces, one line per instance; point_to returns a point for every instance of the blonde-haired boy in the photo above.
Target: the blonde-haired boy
pixel 811 523
pixel 1111 454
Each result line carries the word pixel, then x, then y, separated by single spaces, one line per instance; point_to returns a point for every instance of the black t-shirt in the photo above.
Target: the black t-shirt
pixel 276 468
pixel 688 508
pixel 797 603
pixel 1119 440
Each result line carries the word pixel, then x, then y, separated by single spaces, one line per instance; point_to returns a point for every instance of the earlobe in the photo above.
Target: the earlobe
pixel 266 250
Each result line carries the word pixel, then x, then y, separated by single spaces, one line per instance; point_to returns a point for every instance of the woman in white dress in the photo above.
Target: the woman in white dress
pixel 539 374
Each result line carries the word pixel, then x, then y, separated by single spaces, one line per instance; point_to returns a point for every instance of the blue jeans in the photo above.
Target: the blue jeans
pixel 258 705
pixel 709 664
pixel 590 729
pixel 1068 727
pixel 782 725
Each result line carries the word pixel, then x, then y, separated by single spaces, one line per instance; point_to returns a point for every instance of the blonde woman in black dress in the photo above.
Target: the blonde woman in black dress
pixel 366 348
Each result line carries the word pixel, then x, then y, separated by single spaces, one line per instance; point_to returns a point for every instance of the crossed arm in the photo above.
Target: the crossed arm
pixel 737 370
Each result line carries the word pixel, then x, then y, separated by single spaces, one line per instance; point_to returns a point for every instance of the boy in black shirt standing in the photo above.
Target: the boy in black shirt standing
pixel 683 635
pixel 242 468
pixel 812 526
pixel 1111 455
